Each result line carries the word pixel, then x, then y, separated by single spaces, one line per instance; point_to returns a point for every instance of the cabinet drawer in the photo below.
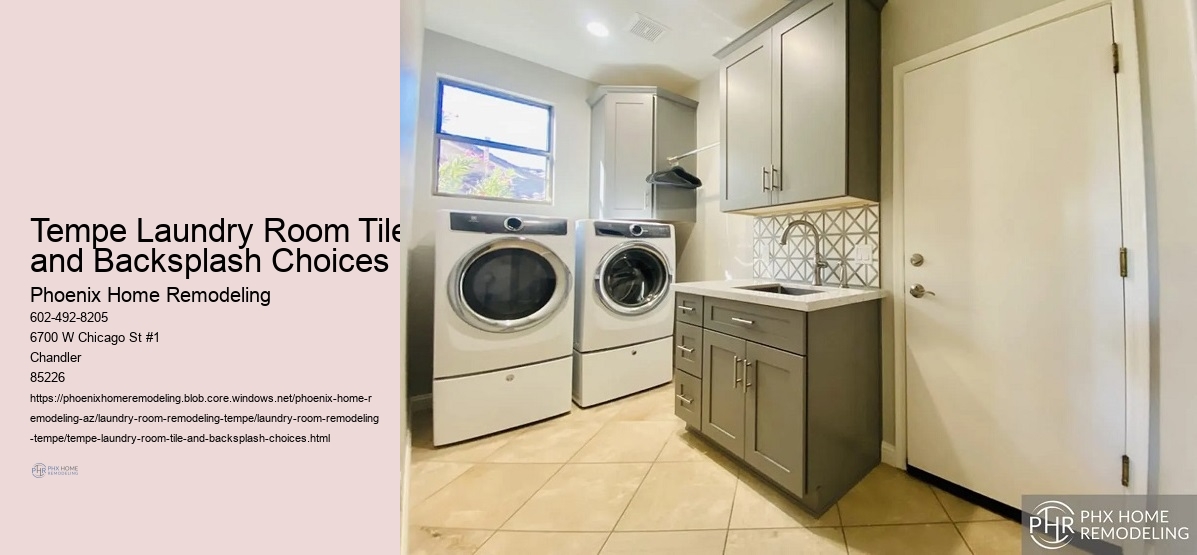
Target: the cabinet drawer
pixel 767 325
pixel 689 308
pixel 687 349
pixel 687 398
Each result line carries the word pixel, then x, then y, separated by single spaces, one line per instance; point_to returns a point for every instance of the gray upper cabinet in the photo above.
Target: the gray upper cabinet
pixel 633 130
pixel 774 430
pixel 746 126
pixel 801 109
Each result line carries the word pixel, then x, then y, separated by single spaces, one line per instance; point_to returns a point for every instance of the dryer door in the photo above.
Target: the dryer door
pixel 508 285
pixel 633 278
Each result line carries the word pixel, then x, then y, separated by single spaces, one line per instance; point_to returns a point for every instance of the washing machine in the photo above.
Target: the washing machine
pixel 503 322
pixel 623 329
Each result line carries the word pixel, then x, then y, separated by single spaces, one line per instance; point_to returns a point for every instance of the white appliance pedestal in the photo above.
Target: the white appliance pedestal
pixel 467 407
pixel 605 375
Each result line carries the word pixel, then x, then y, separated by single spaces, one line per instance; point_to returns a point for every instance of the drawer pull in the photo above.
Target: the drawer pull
pixel 685 308
pixel 742 321
pixel 686 350
pixel 685 400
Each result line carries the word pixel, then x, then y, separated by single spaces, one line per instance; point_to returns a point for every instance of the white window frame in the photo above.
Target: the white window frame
pixel 439 135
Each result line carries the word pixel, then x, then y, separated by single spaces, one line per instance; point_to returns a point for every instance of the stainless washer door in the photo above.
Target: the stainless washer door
pixel 508 285
pixel 633 278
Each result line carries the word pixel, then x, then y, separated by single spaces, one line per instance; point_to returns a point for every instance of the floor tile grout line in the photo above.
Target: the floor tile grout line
pixel 731 512
pixel 625 507
pixel 518 509
pixel 951 519
pixel 963 540
pixel 489 537
pixel 438 490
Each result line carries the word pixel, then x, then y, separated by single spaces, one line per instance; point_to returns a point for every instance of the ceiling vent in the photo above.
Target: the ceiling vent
pixel 646 28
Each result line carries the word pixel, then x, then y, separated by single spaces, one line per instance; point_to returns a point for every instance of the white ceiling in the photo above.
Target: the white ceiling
pixel 553 33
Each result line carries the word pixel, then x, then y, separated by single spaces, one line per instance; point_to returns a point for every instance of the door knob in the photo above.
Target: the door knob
pixel 917 291
pixel 916 259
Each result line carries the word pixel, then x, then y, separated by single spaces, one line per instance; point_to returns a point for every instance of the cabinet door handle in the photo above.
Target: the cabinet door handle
pixel 736 373
pixel 686 350
pixel 764 179
pixel 685 308
pixel 685 400
pixel 774 183
pixel 742 321
pixel 747 384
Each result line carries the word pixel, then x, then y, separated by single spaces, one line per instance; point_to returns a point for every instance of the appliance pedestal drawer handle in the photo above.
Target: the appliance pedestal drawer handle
pixel 686 350
pixel 685 400
pixel 685 308
pixel 742 321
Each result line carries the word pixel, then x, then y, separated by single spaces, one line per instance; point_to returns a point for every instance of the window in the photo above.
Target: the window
pixel 492 145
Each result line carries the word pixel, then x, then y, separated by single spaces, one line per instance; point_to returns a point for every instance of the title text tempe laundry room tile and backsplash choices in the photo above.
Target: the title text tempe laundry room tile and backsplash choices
pixel 843 230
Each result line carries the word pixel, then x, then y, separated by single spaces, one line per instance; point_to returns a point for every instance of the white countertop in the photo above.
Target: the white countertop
pixel 828 297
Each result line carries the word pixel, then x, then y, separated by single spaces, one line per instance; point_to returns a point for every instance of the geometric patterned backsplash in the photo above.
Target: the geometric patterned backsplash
pixel 842 230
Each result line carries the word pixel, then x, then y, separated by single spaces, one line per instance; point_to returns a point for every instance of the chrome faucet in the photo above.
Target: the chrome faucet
pixel 820 262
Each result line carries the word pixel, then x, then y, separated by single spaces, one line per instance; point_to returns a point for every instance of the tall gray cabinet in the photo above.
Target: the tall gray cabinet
pixel 801 105
pixel 633 130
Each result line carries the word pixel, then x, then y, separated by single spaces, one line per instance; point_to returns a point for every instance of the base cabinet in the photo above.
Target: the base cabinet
pixel 810 423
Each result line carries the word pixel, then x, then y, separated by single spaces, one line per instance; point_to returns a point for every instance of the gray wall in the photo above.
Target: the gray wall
pixel 450 57
pixel 717 245
pixel 1168 39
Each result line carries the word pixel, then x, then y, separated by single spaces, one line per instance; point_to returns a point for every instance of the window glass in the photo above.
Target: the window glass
pixel 492 145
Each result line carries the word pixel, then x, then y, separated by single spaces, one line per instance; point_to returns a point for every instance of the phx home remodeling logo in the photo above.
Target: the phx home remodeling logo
pixel 1050 526
pixel 41 470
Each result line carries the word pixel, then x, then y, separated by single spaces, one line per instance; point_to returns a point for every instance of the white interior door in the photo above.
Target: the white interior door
pixel 1015 366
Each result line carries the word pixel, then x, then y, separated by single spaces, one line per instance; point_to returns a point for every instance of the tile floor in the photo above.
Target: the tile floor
pixel 627 478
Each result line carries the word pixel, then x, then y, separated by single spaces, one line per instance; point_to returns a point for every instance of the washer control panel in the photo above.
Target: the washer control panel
pixel 636 230
pixel 477 222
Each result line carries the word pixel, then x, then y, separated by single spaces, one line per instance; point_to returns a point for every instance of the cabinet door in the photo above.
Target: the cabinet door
pixel 723 390
pixel 746 131
pixel 629 156
pixel 810 96
pixel 775 427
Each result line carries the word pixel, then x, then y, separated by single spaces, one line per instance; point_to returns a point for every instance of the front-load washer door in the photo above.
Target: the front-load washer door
pixel 508 285
pixel 633 278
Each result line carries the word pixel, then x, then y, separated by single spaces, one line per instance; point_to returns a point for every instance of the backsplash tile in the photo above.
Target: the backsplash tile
pixel 842 229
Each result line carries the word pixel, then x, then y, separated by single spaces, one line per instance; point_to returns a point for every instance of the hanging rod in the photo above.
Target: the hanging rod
pixel 674 159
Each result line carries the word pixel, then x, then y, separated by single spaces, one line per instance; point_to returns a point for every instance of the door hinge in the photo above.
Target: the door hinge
pixel 1122 261
pixel 1117 61
pixel 1125 471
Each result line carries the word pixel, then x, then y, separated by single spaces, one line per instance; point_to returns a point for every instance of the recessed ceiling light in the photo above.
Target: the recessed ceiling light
pixel 597 29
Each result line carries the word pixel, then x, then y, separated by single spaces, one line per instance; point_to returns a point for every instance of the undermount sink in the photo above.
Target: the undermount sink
pixel 779 289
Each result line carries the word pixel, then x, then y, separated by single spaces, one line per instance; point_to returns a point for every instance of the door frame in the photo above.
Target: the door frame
pixel 1134 225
